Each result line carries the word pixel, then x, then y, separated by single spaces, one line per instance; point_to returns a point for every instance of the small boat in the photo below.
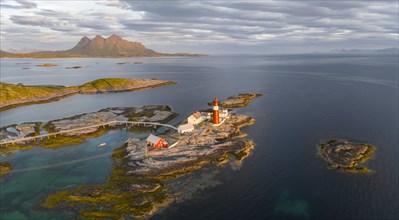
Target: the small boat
pixel 102 145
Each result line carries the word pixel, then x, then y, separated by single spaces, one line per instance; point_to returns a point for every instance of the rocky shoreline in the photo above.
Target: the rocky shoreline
pixel 137 186
pixel 345 155
pixel 17 95
pixel 194 150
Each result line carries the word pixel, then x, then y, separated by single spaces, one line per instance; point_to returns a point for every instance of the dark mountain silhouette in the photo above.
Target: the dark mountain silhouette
pixel 113 46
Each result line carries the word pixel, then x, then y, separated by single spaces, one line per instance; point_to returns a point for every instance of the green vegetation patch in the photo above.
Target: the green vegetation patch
pixel 5 167
pixel 60 140
pixel 107 83
pixel 124 195
pixel 47 65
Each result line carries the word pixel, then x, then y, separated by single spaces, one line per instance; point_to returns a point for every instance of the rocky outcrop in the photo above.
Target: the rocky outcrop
pixel 346 155
pixel 236 101
pixel 195 149
pixel 17 131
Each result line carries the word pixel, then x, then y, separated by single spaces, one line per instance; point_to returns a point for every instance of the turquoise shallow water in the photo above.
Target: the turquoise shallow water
pixel 21 192
pixel 308 98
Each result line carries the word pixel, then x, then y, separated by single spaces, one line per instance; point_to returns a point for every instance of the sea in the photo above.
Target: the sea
pixel 308 98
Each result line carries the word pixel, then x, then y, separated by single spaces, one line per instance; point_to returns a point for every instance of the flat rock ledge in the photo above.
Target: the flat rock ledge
pixel 194 150
pixel 346 155
pixel 240 100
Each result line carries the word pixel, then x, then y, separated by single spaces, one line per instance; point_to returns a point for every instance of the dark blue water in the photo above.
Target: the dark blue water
pixel 307 98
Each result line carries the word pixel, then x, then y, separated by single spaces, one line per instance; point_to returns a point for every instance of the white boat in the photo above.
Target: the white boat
pixel 102 145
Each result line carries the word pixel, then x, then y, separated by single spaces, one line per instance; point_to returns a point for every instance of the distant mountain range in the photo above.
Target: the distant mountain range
pixel 23 50
pixel 113 46
pixel 383 50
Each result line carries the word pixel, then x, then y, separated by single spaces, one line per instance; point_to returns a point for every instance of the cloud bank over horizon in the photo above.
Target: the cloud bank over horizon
pixel 203 26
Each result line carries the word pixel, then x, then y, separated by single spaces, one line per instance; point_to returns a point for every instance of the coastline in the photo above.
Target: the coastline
pixel 64 92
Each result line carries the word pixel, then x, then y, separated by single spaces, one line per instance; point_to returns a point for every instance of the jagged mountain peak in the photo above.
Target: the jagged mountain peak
pixel 112 46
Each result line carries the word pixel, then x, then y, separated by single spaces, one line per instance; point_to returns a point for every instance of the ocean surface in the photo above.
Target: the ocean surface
pixel 307 98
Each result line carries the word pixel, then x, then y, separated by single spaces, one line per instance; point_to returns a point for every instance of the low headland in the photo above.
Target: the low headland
pixel 15 95
pixel 346 156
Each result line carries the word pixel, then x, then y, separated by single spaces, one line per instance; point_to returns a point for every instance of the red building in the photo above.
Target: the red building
pixel 154 142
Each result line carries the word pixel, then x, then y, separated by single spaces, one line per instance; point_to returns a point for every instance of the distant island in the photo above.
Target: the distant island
pixel 113 46
pixel 382 50
pixel 14 95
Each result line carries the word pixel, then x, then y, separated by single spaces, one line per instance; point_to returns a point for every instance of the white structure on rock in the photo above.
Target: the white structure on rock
pixel 223 113
pixel 195 118
pixel 185 128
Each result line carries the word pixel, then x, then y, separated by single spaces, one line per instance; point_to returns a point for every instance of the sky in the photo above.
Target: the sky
pixel 213 27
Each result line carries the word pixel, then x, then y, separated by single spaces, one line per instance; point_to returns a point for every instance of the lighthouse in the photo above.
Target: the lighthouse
pixel 215 119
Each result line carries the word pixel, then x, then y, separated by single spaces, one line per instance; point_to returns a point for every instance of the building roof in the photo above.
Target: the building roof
pixel 153 139
pixel 197 115
pixel 186 126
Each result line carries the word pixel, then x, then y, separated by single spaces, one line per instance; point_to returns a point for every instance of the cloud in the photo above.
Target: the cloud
pixel 21 4
pixel 208 24
pixel 53 24
pixel 257 21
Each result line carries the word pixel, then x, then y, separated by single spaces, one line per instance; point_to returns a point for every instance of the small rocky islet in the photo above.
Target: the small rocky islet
pixel 240 100
pixel 346 155
pixel 47 65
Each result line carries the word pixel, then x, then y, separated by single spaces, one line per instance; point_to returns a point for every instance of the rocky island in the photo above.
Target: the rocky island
pixel 345 155
pixel 140 181
pixel 16 95
pixel 47 65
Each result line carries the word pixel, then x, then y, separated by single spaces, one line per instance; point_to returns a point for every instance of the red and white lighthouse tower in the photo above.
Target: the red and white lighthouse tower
pixel 215 119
